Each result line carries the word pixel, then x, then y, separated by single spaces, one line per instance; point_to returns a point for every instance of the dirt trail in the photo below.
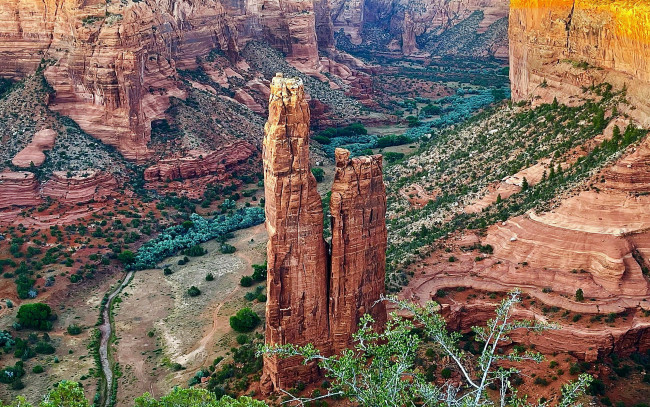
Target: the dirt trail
pixel 106 329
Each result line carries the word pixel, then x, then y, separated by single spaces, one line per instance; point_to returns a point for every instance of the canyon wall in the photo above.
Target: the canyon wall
pixel 315 297
pixel 558 47
pixel 411 26
pixel 113 64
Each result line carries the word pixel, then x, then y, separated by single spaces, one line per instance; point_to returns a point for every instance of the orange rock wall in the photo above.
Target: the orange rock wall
pixel 549 38
pixel 18 189
pixel 110 57
pixel 199 164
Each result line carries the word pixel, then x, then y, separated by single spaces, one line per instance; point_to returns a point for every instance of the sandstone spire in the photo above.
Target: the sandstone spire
pixel 309 301
pixel 296 310
pixel 358 263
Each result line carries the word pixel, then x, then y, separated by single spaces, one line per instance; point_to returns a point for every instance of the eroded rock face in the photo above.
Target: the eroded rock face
pixel 33 152
pixel 310 301
pixel 115 62
pixel 201 163
pixel 18 189
pixel 358 262
pixel 80 187
pixel 406 21
pixel 559 46
pixel 296 309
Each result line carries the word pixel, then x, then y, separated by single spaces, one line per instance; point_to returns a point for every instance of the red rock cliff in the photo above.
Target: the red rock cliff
pixel 309 301
pixel 358 263
pixel 559 46
pixel 112 58
pixel 296 309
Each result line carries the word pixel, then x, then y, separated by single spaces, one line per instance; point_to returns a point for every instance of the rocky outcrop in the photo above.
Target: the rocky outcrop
pixel 115 62
pixel 358 262
pixel 309 302
pixel 80 187
pixel 33 153
pixel 18 189
pixel 296 309
pixel 560 46
pixel 200 163
pixel 412 25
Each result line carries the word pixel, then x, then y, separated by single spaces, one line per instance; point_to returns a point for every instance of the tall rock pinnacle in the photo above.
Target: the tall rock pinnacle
pixel 296 310
pixel 358 262
pixel 314 297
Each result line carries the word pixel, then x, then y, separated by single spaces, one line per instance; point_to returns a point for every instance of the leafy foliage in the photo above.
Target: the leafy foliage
pixel 178 237
pixel 245 320
pixel 36 316
pixel 381 369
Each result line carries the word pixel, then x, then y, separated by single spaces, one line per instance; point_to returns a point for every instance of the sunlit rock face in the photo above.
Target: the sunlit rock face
pixel 560 46
pixel 113 64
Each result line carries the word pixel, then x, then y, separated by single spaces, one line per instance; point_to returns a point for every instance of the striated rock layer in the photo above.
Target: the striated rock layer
pixel 114 62
pixel 358 209
pixel 296 309
pixel 18 189
pixel 310 301
pixel 557 47
pixel 80 187
pixel 22 189
pixel 407 21
pixel 201 163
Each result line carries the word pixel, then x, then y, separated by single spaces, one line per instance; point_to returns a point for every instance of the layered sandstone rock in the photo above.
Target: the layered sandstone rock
pixel 309 301
pixel 200 163
pixel 33 153
pixel 18 189
pixel 405 21
pixel 296 309
pixel 80 186
pixel 560 46
pixel 358 262
pixel 115 62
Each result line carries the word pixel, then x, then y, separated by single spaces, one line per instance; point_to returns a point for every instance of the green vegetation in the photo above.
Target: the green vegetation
pixel 319 174
pixel 468 159
pixel 373 374
pixel 193 291
pixel 176 238
pixel 35 316
pixel 245 320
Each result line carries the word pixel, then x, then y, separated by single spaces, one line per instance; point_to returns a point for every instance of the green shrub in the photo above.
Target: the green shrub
pixel 245 320
pixel 209 277
pixel 74 329
pixel 445 373
pixel 246 281
pixel 319 174
pixel 227 249
pixel 242 339
pixel 35 316
pixel 195 251
pixel 38 369
pixel 193 291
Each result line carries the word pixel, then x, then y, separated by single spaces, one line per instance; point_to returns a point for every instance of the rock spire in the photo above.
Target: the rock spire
pixel 314 296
